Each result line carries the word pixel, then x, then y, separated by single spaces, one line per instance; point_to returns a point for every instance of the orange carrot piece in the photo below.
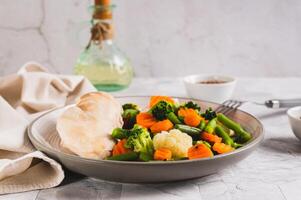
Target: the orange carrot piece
pixel 155 99
pixel 162 154
pixel 211 137
pixel 163 125
pixel 145 119
pixel 119 148
pixel 192 119
pixel 182 112
pixel 115 150
pixel 222 148
pixel 199 151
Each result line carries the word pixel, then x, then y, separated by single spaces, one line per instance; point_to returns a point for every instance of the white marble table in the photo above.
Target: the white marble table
pixel 273 171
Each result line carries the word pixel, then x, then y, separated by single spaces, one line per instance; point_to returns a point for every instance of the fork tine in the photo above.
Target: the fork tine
pixel 229 106
pixel 223 106
pixel 233 107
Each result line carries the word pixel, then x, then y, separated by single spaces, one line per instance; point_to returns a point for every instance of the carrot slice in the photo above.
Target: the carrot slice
pixel 191 117
pixel 192 120
pixel 155 99
pixel 162 154
pixel 182 112
pixel 211 138
pixel 145 119
pixel 222 148
pixel 163 125
pixel 199 151
pixel 119 148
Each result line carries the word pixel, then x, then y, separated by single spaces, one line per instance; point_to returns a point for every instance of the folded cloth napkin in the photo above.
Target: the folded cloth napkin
pixel 24 96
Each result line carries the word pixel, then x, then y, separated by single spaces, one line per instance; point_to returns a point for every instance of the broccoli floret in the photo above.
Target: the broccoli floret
pixel 130 106
pixel 140 141
pixel 161 109
pixel 130 111
pixel 192 105
pixel 119 133
pixel 209 114
pixel 129 118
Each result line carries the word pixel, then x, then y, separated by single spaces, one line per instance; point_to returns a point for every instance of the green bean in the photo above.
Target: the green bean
pixel 124 157
pixel 242 135
pixel 192 131
pixel 182 158
pixel 222 133
pixel 181 118
pixel 210 126
pixel 203 142
pixel 173 118
pixel 202 125
pixel 145 157
pixel 236 145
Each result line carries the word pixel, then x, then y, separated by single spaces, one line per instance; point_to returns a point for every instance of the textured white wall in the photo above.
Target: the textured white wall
pixel 162 37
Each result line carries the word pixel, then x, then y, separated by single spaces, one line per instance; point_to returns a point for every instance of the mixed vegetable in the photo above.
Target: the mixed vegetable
pixel 172 131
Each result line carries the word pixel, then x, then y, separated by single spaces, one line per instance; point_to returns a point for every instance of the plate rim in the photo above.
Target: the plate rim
pixel 249 145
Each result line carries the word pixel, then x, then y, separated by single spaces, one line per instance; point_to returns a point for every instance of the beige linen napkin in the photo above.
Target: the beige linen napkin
pixel 24 96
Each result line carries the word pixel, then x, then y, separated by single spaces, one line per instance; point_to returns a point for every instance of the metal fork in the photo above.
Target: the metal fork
pixel 231 105
pixel 228 106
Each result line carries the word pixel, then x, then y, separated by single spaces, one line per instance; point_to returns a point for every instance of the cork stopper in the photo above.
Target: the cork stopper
pixel 102 10
pixel 102 2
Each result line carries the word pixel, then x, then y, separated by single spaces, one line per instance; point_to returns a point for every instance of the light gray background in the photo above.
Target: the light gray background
pixel 162 37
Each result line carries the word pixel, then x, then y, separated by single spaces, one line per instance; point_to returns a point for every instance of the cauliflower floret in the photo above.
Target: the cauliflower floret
pixel 174 140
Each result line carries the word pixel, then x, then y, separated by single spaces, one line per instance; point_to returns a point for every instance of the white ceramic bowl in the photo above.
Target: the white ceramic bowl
pixel 218 92
pixel 294 115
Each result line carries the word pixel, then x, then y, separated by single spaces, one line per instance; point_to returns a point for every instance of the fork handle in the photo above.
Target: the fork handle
pixel 282 103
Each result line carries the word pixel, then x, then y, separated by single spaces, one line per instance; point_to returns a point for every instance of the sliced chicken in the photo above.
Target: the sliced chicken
pixel 86 128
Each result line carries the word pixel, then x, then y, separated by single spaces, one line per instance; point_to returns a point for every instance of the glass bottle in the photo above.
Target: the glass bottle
pixel 102 62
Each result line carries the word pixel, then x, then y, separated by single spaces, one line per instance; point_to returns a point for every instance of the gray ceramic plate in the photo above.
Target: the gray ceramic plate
pixel 44 137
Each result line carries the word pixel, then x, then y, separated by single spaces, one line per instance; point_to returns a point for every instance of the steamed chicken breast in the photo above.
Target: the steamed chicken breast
pixel 86 128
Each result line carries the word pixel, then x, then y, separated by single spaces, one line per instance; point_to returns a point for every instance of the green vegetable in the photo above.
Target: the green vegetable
pixel 209 114
pixel 145 157
pixel 161 110
pixel 119 133
pixel 236 145
pixel 130 111
pixel 130 106
pixel 129 118
pixel 226 129
pixel 191 104
pixel 173 118
pixel 192 131
pixel 203 142
pixel 140 141
pixel 242 135
pixel 202 125
pixel 182 158
pixel 181 118
pixel 222 133
pixel 210 126
pixel 125 157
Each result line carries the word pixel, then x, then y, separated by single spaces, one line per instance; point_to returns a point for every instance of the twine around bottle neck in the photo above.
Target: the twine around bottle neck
pixel 100 32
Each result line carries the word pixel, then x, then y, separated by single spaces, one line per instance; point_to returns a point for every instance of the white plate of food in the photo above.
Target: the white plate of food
pixel 148 139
